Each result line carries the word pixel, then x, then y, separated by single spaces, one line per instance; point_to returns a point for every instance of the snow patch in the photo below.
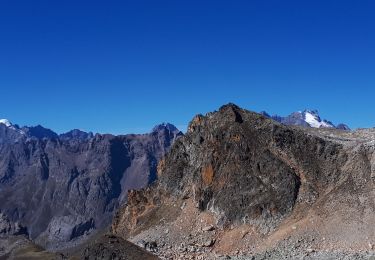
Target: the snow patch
pixel 6 122
pixel 314 120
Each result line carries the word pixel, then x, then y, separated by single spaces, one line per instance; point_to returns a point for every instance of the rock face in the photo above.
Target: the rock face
pixel 8 228
pixel 247 174
pixel 64 188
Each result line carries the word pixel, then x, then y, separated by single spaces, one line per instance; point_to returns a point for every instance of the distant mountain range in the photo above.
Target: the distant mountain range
pixel 40 132
pixel 63 188
pixel 306 118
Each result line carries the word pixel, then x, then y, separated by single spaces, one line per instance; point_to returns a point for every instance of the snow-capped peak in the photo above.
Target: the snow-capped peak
pixel 6 122
pixel 313 119
pixel 306 118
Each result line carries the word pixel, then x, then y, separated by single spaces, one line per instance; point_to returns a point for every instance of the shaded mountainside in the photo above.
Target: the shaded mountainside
pixel 240 182
pixel 63 188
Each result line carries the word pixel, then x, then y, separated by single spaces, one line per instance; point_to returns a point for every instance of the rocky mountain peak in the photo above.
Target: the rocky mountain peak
pixel 76 134
pixel 226 158
pixel 229 106
pixel 314 112
pixel 165 126
pixel 39 132
pixel 230 113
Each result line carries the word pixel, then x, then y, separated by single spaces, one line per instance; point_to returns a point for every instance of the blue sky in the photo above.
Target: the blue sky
pixel 124 66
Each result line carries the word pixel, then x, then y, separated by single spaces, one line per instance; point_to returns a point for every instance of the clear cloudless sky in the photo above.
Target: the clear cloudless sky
pixel 124 66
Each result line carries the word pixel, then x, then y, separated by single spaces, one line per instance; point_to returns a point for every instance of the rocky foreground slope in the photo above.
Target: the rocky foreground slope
pixel 62 189
pixel 242 185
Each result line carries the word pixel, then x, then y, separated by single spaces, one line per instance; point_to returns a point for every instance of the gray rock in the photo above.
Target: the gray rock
pixel 209 243
pixel 66 228
pixel 208 228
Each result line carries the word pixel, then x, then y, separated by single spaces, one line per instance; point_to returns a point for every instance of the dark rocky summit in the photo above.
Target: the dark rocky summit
pixel 241 183
pixel 64 188
pixel 76 134
pixel 39 132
